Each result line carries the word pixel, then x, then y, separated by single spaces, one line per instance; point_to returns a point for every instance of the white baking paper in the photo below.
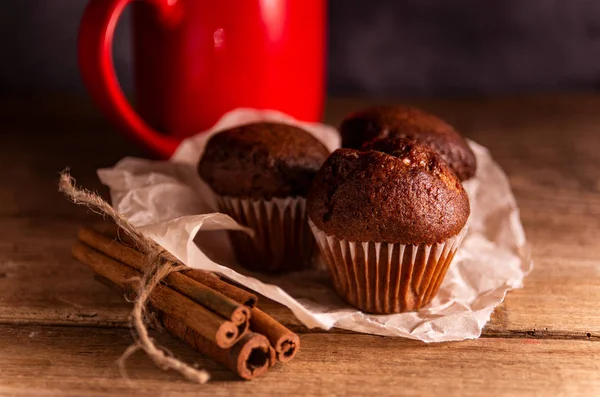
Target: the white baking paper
pixel 172 205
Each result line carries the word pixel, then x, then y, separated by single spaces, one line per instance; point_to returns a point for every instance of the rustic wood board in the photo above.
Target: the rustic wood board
pixel 548 147
pixel 81 361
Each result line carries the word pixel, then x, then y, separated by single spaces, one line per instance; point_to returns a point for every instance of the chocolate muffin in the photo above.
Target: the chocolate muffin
pixel 260 174
pixel 409 122
pixel 388 225
pixel 262 161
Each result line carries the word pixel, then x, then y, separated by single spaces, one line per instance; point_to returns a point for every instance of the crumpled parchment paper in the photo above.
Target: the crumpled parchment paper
pixel 172 205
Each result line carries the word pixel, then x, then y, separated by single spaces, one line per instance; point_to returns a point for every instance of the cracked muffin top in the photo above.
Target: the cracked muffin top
pixel 409 122
pixel 410 196
pixel 262 161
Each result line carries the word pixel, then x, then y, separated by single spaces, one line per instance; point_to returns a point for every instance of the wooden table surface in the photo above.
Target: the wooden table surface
pixel 61 332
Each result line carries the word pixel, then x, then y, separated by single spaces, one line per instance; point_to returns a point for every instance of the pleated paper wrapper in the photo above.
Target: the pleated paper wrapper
pixel 170 204
pixel 386 278
pixel 281 242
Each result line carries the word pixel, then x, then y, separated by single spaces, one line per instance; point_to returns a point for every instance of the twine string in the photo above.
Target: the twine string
pixel 161 264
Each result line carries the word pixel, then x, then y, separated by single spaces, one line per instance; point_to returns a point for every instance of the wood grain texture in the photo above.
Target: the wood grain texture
pixel 81 361
pixel 547 145
pixel 542 338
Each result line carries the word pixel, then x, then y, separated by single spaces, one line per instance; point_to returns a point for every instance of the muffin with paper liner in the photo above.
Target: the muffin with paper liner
pixel 260 174
pixel 387 224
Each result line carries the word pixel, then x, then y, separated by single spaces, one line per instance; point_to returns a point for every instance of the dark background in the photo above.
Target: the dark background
pixel 377 48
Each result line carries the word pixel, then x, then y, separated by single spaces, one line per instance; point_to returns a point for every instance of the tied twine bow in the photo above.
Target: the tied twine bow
pixel 161 264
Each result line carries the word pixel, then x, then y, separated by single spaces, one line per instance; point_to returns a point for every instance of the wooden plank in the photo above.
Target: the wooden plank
pixel 63 361
pixel 546 145
pixel 42 284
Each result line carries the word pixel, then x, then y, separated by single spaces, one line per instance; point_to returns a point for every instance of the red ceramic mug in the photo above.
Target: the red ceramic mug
pixel 194 60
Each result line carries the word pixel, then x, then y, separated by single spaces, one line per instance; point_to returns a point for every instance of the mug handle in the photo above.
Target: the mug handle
pixel 96 66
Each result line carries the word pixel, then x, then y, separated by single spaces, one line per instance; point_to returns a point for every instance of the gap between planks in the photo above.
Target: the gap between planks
pixel 491 334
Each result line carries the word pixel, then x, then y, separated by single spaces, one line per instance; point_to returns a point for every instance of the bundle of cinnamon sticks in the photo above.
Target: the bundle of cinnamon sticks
pixel 213 316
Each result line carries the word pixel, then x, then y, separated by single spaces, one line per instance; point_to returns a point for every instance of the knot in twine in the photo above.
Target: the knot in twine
pixel 161 263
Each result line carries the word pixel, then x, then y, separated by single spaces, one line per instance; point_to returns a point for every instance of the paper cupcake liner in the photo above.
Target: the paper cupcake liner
pixel 386 278
pixel 282 241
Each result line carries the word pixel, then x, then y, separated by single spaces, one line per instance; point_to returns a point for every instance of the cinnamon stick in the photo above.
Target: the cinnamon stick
pixel 251 356
pixel 211 326
pixel 237 294
pixel 285 343
pixel 204 277
pixel 206 296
